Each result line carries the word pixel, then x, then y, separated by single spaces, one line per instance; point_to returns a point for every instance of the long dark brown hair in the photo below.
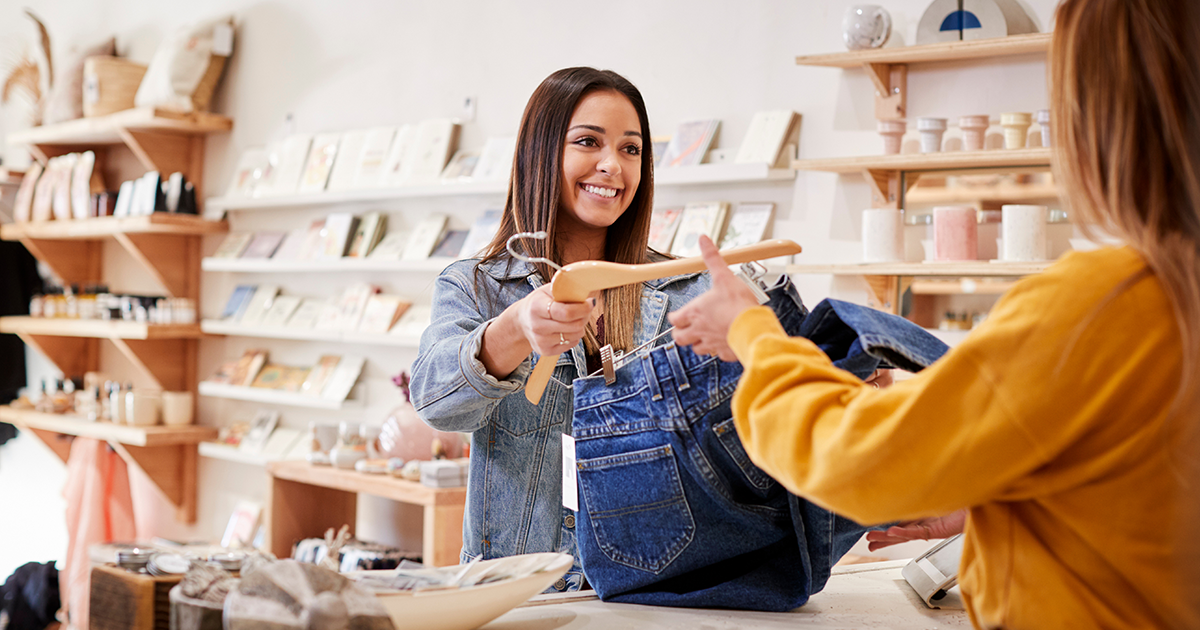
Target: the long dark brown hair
pixel 535 188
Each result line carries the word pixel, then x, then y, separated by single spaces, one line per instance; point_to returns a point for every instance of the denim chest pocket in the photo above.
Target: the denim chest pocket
pixel 727 435
pixel 637 509
pixel 519 417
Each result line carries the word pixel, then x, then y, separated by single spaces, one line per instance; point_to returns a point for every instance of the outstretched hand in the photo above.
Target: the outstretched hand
pixel 923 529
pixel 704 322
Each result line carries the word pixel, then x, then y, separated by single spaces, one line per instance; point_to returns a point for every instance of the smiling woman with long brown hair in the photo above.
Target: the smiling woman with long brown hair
pixel 1066 425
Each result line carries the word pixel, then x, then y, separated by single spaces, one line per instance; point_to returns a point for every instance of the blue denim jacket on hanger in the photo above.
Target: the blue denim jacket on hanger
pixel 672 511
pixel 514 491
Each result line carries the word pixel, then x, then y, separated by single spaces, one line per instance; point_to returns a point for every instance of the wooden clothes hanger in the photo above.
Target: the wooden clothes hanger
pixel 578 280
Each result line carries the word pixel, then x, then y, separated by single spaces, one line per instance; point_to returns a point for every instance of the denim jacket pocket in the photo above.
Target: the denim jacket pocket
pixel 727 435
pixel 639 515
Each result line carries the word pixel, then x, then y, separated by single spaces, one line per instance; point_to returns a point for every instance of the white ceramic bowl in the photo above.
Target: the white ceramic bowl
pixel 470 607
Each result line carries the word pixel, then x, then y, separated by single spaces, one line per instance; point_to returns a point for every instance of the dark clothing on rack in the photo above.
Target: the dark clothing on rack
pixel 19 281
pixel 30 596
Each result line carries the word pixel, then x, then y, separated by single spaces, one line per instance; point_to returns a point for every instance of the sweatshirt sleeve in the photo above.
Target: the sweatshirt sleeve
pixel 940 441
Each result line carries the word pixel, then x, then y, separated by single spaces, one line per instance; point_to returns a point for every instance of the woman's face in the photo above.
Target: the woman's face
pixel 602 161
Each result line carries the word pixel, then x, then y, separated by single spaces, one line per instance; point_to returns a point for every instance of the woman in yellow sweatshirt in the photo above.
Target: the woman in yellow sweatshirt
pixel 1066 424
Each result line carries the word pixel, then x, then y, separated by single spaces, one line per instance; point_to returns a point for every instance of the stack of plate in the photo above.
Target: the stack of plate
pixel 164 564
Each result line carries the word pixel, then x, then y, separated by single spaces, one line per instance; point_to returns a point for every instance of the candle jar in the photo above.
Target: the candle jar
pixel 955 233
pixel 1024 232
pixel 883 235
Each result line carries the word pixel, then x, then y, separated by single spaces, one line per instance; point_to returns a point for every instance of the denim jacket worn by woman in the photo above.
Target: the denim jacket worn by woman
pixel 514 493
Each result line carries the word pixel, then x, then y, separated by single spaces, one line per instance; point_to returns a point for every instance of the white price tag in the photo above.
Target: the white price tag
pixel 570 487
pixel 222 45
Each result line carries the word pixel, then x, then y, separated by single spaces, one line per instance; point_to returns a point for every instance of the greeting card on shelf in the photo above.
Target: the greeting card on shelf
pixel 496 160
pixel 461 166
pixel 307 314
pixel 483 230
pixel 664 222
pixel 313 246
pixel 286 161
pixel 238 300
pixel 280 377
pixel 281 310
pixel 451 244
pixel 393 172
pixel 352 304
pixel 260 430
pixel 425 236
pixel 246 368
pixel 658 146
pixel 262 301
pixel 391 247
pixel 263 245
pixel 747 224
pixel 246 175
pixel 320 162
pixel 690 142
pixel 382 312
pixel 281 443
pixel 367 235
pixel 767 136
pixel 239 532
pixel 433 143
pixel 414 321
pixel 341 382
pixel 707 218
pixel 319 375
pixel 345 164
pixel 233 245
pixel 292 245
pixel 338 229
pixel 372 157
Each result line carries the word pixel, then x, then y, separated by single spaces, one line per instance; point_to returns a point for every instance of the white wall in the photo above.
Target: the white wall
pixel 352 64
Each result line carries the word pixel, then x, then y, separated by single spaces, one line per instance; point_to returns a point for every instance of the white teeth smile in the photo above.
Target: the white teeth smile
pixel 603 192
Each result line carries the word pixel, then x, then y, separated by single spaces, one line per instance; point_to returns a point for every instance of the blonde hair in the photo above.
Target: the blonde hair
pixel 1125 108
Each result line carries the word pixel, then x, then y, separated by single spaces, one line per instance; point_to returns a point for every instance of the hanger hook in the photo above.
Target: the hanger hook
pixel 529 259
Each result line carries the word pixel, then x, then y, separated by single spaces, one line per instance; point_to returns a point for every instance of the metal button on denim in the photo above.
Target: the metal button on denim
pixel 569 521
pixel 560 584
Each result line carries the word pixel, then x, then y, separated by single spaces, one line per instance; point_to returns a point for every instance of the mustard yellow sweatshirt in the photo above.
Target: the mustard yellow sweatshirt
pixel 1049 422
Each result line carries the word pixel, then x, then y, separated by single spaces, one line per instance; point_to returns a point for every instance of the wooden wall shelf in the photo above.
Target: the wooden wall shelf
pixel 105 227
pixel 1007 193
pixel 274 397
pixel 97 328
pixel 337 265
pixel 107 129
pixel 218 327
pixel 166 454
pixel 306 500
pixel 964 286
pixel 973 268
pixel 941 161
pixel 1031 44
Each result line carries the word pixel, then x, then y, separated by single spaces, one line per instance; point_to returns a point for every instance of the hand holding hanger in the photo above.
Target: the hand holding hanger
pixel 551 326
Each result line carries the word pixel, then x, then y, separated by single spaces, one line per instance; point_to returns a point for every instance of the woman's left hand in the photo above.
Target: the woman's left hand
pixel 704 322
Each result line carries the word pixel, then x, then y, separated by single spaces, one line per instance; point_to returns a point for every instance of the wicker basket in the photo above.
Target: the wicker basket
pixel 109 84
pixel 202 99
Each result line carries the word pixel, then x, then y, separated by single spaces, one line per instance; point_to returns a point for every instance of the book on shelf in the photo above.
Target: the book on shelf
pixel 238 301
pixel 664 222
pixel 283 378
pixel 23 204
pixel 345 164
pixel 392 174
pixel 451 244
pixel 258 306
pixel 367 234
pixel 260 431
pixel 246 368
pixel 263 245
pixel 424 237
pixel 414 321
pixel 391 247
pixel 320 162
pixel 292 245
pixel 338 229
pixel 246 174
pixel 313 245
pixel 482 231
pixel 769 133
pixel 705 217
pixel 319 375
pixel 345 375
pixel 286 161
pixel 306 315
pixel 496 160
pixel 282 309
pixel 461 166
pixel 748 225
pixel 434 141
pixel 120 208
pixel 691 141
pixel 233 245
pixel 382 312
pixel 371 159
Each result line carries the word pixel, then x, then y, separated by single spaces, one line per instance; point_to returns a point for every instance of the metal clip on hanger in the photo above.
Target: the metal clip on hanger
pixel 578 280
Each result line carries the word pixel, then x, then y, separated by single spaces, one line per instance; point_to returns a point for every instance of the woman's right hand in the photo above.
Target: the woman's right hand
pixel 551 327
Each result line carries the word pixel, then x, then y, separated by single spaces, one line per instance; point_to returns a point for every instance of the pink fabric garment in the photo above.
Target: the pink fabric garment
pixel 99 510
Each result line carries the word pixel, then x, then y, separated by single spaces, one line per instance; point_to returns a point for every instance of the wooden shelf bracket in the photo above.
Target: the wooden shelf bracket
pixel 71 355
pixel 891 89
pixel 168 152
pixel 170 363
pixel 173 260
pixel 74 262
pixel 173 469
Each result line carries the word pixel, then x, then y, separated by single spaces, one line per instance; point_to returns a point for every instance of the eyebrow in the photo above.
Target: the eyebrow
pixel 599 129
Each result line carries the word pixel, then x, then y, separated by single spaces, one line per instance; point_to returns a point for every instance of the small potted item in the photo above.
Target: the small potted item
pixel 350 447
pixel 931 133
pixel 974 130
pixel 955 233
pixel 1016 128
pixel 883 235
pixel 893 133
pixel 866 26
pixel 1042 116
pixel 1024 230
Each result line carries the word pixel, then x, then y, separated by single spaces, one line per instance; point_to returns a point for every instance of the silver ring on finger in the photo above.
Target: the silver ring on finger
pixel 562 341
pixel 548 315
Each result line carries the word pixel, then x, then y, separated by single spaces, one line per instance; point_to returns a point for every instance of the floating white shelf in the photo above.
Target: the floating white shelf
pixel 218 327
pixel 720 174
pixel 216 450
pixel 267 265
pixel 273 397
pixel 219 205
